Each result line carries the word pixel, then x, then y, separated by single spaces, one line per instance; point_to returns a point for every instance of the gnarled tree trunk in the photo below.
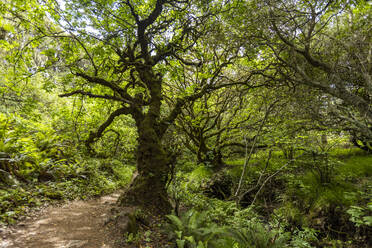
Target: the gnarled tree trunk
pixel 148 187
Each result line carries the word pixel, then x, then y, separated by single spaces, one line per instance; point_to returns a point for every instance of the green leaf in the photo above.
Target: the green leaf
pixel 180 243
pixel 367 220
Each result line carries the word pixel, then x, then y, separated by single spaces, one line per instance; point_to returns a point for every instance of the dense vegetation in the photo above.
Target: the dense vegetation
pixel 247 123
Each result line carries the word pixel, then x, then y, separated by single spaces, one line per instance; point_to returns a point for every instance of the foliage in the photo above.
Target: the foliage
pixel 192 230
pixel 187 89
pixel 257 236
pixel 239 229
pixel 30 149
pixel 39 168
pixel 361 216
pixel 84 182
pixel 304 238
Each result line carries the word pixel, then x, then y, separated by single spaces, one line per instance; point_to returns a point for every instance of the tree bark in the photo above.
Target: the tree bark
pixel 148 188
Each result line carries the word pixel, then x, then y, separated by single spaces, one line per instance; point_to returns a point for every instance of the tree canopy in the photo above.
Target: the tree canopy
pixel 209 80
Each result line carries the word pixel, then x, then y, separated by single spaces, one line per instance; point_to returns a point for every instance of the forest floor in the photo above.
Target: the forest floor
pixel 76 224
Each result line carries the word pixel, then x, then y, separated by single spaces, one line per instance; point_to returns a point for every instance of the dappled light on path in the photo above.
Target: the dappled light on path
pixel 78 224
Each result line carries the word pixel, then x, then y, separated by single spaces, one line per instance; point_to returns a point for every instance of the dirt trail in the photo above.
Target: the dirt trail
pixel 77 224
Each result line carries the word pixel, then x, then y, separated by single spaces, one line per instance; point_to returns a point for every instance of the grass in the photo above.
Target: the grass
pixel 356 166
pixel 344 153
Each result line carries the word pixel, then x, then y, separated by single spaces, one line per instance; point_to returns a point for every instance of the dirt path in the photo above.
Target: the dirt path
pixel 77 224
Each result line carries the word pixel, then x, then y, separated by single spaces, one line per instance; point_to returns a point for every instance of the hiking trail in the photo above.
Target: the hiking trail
pixel 76 224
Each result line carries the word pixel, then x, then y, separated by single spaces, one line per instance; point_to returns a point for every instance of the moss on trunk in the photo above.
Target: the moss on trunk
pixel 148 189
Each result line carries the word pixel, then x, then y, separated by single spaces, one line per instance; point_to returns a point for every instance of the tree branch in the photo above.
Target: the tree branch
pixel 93 136
pixel 81 92
pixel 304 52
pixel 103 82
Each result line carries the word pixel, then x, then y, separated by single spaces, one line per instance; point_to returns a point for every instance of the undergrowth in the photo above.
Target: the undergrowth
pixel 39 166
pixel 321 200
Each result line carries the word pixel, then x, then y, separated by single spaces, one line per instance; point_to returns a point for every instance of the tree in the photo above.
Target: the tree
pixel 214 126
pixel 326 45
pixel 206 124
pixel 132 54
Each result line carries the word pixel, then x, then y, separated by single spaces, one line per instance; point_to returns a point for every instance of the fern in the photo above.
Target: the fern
pixel 192 230
pixel 258 236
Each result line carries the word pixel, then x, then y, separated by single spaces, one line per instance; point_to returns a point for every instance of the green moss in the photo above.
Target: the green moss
pixel 200 173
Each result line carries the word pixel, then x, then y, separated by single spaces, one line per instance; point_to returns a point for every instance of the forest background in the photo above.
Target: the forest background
pixel 250 120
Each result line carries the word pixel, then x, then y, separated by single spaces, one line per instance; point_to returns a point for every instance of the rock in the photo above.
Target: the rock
pixel 5 243
pixel 125 220
pixel 76 243
pixel 122 223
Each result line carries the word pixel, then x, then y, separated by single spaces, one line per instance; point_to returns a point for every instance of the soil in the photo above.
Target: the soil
pixel 77 224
